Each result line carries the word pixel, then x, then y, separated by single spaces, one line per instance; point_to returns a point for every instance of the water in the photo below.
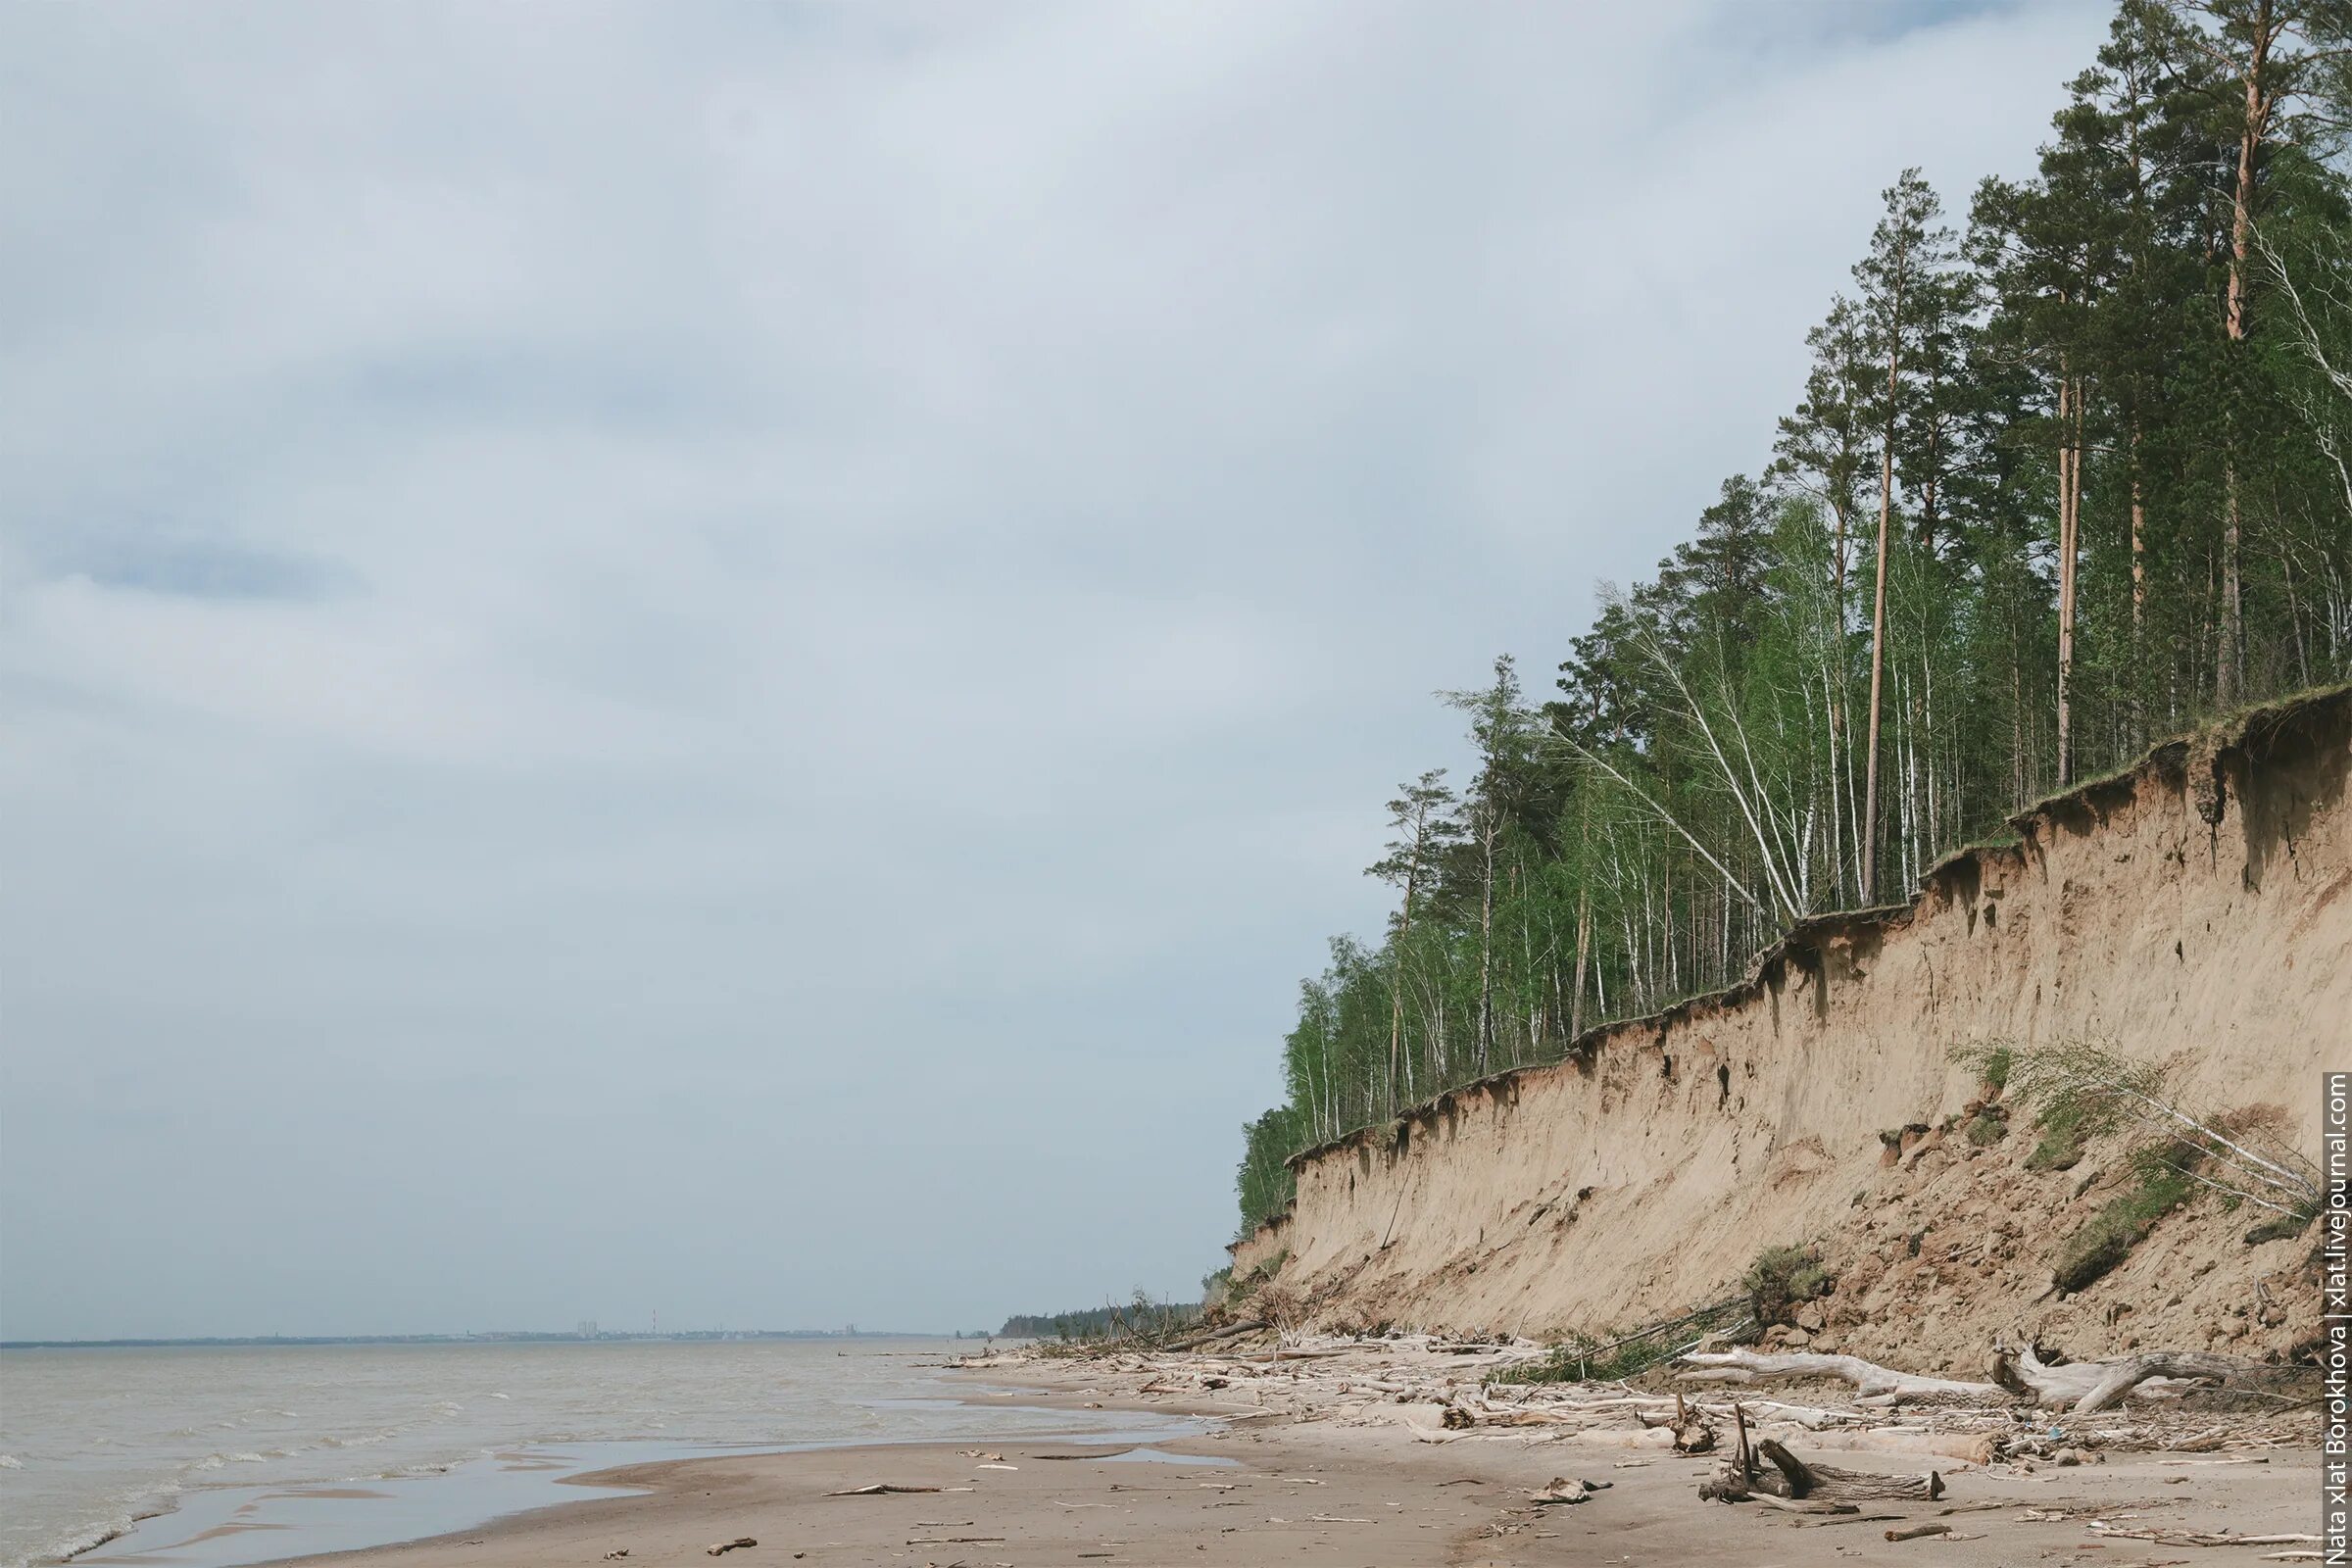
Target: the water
pixel 243 1455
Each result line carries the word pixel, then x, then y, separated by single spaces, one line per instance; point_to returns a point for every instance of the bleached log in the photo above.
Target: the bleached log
pixel 2090 1387
pixel 1969 1447
pixel 2197 1537
pixel 1868 1378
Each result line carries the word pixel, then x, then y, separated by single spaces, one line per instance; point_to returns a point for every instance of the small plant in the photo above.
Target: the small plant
pixel 1783 1279
pixel 1985 1129
pixel 2281 1228
pixel 2061 1146
pixel 1994 1071
pixel 2107 1238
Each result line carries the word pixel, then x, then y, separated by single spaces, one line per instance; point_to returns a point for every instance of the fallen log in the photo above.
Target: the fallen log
pixel 736 1544
pixel 2199 1538
pixel 1228 1332
pixel 878 1488
pixel 1868 1378
pixel 1816 1505
pixel 2090 1387
pixel 1827 1481
pixel 1967 1447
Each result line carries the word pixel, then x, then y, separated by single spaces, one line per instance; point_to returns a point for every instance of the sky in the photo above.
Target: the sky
pixel 726 660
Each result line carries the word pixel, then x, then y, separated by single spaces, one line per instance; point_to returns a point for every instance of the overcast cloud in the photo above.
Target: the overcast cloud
pixel 728 658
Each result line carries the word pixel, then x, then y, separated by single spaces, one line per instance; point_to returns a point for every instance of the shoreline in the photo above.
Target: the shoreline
pixel 195 1527
pixel 1296 1472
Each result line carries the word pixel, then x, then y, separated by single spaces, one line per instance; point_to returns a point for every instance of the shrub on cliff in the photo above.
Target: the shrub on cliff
pixel 1781 1280
pixel 2107 1238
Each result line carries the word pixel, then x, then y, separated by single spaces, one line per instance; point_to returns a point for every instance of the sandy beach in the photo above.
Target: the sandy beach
pixel 1317 1484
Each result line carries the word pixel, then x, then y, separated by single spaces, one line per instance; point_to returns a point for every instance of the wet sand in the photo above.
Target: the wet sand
pixel 1318 1492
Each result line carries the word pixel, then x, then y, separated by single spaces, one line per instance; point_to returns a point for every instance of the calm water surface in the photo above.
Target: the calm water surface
pixel 249 1454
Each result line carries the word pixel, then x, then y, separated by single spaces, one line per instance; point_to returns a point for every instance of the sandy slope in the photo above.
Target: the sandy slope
pixel 2193 912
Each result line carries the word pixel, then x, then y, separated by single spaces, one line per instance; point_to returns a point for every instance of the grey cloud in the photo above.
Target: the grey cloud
pixel 749 646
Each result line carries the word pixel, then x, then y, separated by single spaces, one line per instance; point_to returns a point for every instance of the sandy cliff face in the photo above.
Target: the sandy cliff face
pixel 2194 912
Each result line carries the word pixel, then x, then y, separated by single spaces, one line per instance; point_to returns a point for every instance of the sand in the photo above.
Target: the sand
pixel 1640 1178
pixel 1323 1491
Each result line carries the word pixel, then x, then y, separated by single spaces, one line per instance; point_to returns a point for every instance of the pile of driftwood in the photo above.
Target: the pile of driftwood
pixel 1766 1472
pixel 1451 1390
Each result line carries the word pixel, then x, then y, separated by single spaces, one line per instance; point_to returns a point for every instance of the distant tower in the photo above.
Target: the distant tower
pixel 656 1322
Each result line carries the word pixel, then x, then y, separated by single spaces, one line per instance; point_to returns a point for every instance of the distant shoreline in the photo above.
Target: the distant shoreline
pixel 263 1340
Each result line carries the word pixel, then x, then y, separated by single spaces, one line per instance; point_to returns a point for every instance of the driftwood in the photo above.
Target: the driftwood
pixel 2200 1537
pixel 1230 1331
pixel 2084 1386
pixel 1917 1532
pixel 725 1546
pixel 1794 1481
pixel 878 1488
pixel 2092 1385
pixel 1693 1432
pixel 1868 1378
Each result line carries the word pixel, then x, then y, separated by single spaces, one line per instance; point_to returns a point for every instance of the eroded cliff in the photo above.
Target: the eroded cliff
pixel 2191 911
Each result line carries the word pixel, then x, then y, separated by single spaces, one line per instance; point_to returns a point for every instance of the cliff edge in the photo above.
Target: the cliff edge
pixel 2191 911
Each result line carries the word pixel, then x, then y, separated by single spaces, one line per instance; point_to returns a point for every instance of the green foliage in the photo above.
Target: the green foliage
pixel 2080 1091
pixel 1994 1069
pixel 1697 781
pixel 2279 1228
pixel 2107 1238
pixel 1140 1317
pixel 1592 1359
pixel 1266 1180
pixel 1781 1280
pixel 1985 1129
pixel 1583 1359
pixel 2060 1149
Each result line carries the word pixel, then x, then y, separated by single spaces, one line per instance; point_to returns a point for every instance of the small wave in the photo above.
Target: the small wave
pixel 406 1470
pixel 210 1461
pixel 247 1458
pixel 502 1396
pixel 88 1539
pixel 369 1440
pixel 9 1462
